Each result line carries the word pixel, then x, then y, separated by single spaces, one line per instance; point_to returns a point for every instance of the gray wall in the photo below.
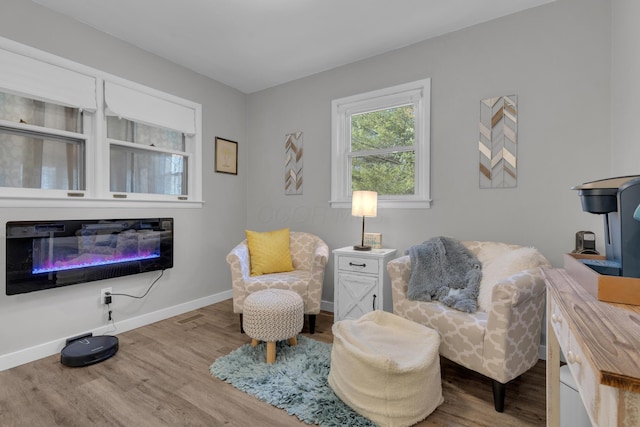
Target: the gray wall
pixel 556 58
pixel 203 236
pixel 625 70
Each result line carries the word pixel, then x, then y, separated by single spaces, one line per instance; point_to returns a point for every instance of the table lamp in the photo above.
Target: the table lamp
pixel 364 203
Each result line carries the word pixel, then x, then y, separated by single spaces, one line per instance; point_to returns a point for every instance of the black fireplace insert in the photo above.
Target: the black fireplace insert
pixel 49 254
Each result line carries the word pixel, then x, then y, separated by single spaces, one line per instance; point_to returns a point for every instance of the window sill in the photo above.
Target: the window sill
pixel 41 202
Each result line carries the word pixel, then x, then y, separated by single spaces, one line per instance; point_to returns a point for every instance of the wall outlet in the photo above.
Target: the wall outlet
pixel 103 295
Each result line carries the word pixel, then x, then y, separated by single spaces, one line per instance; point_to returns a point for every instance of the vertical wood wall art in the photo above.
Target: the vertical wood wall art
pixel 498 142
pixel 293 163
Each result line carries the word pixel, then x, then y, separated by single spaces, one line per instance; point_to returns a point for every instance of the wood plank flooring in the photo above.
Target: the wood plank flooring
pixel 160 377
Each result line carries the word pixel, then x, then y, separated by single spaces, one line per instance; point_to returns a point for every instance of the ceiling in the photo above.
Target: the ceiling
pixel 251 45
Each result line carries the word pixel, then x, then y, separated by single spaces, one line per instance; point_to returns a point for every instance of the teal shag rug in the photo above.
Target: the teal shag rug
pixel 296 382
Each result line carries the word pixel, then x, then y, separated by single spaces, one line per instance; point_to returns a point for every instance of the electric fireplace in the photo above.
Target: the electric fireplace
pixel 50 254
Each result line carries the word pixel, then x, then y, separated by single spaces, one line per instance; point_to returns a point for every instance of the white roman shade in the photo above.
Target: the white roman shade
pixel 40 80
pixel 148 109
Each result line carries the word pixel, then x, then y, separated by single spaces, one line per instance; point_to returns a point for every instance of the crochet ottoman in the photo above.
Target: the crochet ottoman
pixel 272 315
pixel 386 368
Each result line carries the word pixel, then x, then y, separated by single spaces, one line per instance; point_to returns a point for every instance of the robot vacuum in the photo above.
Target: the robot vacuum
pixel 87 350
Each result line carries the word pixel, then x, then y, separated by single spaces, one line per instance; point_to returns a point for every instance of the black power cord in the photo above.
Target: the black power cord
pixel 108 295
pixel 113 323
pixel 141 296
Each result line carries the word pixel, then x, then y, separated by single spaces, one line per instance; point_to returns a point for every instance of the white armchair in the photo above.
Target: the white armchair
pixel 501 339
pixel 309 255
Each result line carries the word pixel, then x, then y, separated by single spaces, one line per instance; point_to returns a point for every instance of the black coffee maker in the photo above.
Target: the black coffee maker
pixel 616 199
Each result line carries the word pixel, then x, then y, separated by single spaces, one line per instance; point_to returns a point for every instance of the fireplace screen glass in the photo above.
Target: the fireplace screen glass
pixel 48 254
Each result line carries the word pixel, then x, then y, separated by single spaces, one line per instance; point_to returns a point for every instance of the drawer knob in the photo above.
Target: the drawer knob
pixel 352 264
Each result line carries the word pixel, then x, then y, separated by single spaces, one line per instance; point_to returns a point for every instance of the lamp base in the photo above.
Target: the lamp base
pixel 361 248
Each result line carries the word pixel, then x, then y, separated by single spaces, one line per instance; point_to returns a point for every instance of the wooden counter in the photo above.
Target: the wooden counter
pixel 601 343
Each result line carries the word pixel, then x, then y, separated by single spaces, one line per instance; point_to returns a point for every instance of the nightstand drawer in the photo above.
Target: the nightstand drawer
pixel 357 264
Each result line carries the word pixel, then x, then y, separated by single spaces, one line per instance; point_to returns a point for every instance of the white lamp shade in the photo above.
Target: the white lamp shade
pixel 364 203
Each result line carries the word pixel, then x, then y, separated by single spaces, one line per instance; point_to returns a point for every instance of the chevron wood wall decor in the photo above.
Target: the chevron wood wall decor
pixel 293 163
pixel 498 142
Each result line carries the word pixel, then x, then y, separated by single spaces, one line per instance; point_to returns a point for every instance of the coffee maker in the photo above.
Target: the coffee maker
pixel 617 200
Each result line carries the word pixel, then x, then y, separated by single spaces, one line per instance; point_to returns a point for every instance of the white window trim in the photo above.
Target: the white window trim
pixel 97 192
pixel 417 93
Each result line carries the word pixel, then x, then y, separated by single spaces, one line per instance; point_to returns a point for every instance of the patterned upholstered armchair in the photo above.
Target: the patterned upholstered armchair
pixel 309 255
pixel 501 339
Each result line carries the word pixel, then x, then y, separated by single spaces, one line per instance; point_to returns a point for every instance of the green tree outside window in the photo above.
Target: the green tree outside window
pixel 383 151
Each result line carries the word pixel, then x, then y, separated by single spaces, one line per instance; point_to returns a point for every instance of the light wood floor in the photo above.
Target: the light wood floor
pixel 160 377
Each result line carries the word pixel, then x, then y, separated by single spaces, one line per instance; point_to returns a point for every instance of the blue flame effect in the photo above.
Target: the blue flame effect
pixel 92 264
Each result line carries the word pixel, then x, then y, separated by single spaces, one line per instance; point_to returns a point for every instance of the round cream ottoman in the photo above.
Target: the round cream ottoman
pixel 386 368
pixel 272 315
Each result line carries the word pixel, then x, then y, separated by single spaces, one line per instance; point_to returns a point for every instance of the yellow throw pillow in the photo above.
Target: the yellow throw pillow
pixel 269 251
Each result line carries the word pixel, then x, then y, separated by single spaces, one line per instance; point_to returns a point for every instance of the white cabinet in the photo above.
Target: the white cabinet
pixel 361 282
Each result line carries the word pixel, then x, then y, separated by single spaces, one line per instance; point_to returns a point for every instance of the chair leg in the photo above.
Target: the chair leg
pixel 241 328
pixel 271 352
pixel 498 395
pixel 312 323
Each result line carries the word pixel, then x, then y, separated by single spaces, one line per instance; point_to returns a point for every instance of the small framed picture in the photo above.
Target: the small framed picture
pixel 373 239
pixel 226 156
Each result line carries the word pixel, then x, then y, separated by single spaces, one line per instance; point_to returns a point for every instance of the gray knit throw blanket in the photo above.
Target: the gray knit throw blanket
pixel 443 269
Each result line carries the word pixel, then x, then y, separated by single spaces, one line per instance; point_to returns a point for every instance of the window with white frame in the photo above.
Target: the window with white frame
pixel 47 115
pixel 71 132
pixel 380 142
pixel 150 149
pixel 41 145
pixel 145 159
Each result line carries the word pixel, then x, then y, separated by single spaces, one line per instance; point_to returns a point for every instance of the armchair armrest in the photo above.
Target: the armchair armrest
pixel 514 324
pixel 238 260
pixel 320 257
pixel 316 279
pixel 399 271
pixel 519 288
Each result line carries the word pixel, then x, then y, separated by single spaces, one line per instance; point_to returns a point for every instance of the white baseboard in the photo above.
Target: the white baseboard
pixel 39 351
pixel 326 306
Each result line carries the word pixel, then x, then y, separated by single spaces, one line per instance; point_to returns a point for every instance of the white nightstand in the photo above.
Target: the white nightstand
pixel 361 282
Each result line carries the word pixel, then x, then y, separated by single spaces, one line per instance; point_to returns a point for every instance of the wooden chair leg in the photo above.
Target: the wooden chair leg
pixel 241 328
pixel 312 323
pixel 498 395
pixel 271 352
